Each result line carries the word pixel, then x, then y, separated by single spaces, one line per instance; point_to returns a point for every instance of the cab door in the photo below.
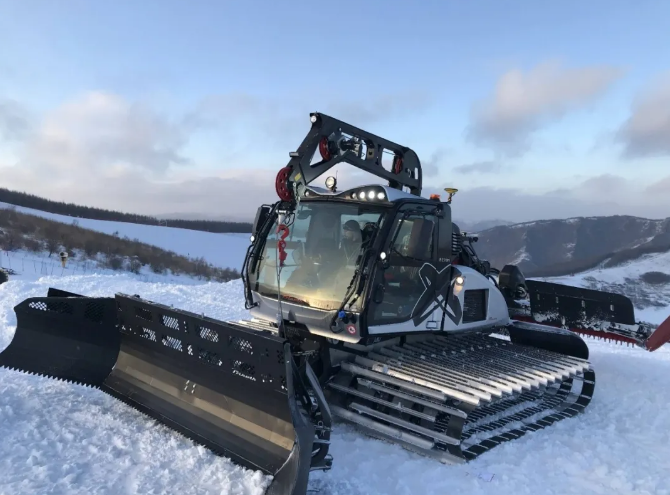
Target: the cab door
pixel 403 292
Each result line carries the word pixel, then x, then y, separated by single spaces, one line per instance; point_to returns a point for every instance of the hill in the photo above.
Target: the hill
pixel 561 247
pixel 222 250
pixel 35 234
pixel 77 211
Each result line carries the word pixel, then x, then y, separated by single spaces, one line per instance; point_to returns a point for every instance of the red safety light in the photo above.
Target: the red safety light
pixel 435 197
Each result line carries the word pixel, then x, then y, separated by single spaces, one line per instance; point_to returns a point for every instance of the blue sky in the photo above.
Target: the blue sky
pixel 525 103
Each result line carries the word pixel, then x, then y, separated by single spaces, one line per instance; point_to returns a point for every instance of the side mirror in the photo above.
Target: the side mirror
pixel 261 215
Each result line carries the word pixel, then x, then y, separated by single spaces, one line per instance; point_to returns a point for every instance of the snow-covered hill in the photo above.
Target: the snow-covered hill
pixel 222 250
pixel 557 247
pixel 68 439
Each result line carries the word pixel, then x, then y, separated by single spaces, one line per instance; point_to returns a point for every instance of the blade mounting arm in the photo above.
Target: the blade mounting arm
pixel 659 336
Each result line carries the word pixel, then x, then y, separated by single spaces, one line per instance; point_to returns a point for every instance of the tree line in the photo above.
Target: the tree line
pixel 77 211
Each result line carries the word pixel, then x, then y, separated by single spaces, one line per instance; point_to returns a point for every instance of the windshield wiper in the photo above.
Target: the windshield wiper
pixel 361 259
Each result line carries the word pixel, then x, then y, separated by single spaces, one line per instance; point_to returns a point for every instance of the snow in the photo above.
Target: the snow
pixel 222 250
pixel 68 439
pixel 26 265
pixel 521 255
pixel 632 269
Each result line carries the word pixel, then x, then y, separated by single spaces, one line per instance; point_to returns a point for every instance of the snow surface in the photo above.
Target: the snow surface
pixel 27 265
pixel 59 438
pixel 223 250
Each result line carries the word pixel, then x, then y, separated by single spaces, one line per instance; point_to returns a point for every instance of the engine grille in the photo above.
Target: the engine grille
pixel 474 305
pixel 456 244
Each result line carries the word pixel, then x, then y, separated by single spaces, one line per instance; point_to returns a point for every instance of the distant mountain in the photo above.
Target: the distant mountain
pixel 559 247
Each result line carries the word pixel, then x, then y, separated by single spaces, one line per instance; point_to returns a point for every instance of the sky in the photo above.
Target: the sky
pixel 533 110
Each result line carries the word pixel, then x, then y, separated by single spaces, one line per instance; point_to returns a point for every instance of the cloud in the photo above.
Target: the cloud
pixel 278 121
pixel 605 185
pixel 524 102
pixel 101 150
pixel 94 136
pixel 431 167
pixel 595 196
pixel 380 108
pixel 105 132
pixel 479 167
pixel 662 187
pixel 233 194
pixel 646 132
pixel 15 121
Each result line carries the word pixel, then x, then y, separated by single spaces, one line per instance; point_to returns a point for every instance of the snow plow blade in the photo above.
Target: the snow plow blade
pixel 590 312
pixel 59 337
pixel 236 391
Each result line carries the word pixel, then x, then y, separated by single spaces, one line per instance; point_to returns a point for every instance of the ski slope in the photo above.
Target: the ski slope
pixel 222 250
pixel 61 438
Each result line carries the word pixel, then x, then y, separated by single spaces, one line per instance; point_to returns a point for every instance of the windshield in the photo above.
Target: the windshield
pixel 324 243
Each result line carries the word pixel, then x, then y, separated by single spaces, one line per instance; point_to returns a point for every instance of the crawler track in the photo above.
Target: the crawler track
pixel 456 398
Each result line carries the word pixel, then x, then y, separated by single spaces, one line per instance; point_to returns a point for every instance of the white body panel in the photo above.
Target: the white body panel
pixel 497 313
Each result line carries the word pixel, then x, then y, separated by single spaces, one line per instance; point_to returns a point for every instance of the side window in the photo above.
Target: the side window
pixel 413 239
pixel 412 245
pixel 366 224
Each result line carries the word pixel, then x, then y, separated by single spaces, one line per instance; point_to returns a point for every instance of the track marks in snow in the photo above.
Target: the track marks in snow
pixel 64 438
